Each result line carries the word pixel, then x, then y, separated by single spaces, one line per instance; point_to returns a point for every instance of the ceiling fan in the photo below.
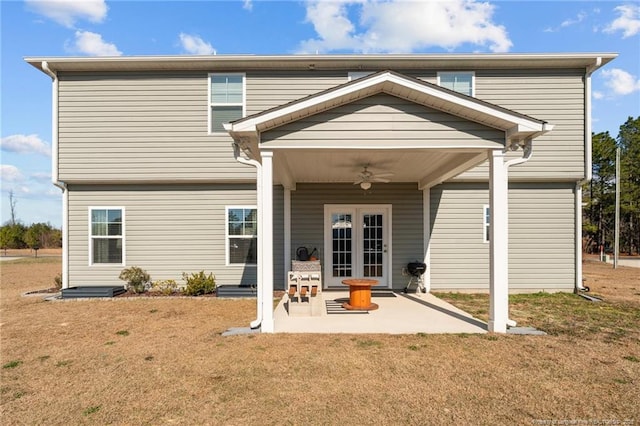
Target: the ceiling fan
pixel 366 178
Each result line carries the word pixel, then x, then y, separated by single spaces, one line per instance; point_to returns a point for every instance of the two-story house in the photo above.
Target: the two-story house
pixel 471 163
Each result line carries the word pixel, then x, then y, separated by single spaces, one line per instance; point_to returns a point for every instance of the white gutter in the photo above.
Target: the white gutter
pixel 588 147
pixel 251 162
pixel 55 173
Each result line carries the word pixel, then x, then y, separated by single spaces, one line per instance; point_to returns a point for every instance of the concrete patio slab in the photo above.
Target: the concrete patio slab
pixel 403 314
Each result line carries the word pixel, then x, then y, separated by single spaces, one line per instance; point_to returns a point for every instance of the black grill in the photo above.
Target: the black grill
pixel 416 269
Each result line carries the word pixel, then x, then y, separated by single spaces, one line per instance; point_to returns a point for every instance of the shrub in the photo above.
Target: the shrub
pixel 166 287
pixel 199 283
pixel 57 281
pixel 137 279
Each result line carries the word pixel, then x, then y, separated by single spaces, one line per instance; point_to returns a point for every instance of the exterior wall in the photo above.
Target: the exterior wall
pixel 382 118
pixel 541 237
pixel 149 127
pixel 169 229
pixel 556 96
pixel 307 218
pixel 153 127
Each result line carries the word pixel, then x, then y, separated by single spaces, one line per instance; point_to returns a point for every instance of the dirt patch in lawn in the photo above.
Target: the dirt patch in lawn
pixel 159 361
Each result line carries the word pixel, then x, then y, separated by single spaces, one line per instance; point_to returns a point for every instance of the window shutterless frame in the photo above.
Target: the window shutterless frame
pixel 227 99
pixel 460 81
pixel 241 230
pixel 486 220
pixel 106 227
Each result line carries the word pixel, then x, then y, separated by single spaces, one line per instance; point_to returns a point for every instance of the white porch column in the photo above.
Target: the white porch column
pixel 287 229
pixel 499 243
pixel 426 220
pixel 267 243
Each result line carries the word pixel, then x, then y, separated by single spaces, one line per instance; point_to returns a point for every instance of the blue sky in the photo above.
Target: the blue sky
pixel 103 28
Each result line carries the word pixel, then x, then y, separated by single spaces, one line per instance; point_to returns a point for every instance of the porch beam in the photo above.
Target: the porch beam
pixel 457 165
pixel 267 243
pixel 499 243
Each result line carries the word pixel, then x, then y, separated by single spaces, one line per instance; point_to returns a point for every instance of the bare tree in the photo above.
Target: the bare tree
pixel 12 206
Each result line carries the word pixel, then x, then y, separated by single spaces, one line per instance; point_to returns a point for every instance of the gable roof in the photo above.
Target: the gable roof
pixel 516 125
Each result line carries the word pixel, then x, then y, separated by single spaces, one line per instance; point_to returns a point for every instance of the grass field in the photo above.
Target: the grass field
pixel 163 361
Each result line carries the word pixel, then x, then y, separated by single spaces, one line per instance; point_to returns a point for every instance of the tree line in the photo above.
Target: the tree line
pixel 599 194
pixel 15 235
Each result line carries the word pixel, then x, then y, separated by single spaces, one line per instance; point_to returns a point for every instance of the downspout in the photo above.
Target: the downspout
pixel 587 173
pixel 251 162
pixel 55 174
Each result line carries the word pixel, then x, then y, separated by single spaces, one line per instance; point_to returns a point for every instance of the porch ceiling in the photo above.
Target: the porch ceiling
pixel 425 167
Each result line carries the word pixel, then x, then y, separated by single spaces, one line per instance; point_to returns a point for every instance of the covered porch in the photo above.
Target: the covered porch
pixel 398 313
pixel 419 134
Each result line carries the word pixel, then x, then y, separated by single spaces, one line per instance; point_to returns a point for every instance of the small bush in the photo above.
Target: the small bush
pixel 57 281
pixel 199 283
pixel 166 287
pixel 137 279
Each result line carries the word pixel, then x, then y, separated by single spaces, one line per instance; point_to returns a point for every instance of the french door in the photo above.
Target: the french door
pixel 357 243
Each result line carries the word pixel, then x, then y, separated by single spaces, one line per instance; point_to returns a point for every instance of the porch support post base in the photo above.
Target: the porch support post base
pixel 499 243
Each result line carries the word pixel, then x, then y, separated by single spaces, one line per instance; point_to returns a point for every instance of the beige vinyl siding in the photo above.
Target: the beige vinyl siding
pixel 382 118
pixel 541 237
pixel 307 218
pixel 169 229
pixel 267 90
pixel 143 127
pixel 556 96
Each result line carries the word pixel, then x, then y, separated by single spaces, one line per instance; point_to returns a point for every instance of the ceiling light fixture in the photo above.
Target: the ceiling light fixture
pixel 365 185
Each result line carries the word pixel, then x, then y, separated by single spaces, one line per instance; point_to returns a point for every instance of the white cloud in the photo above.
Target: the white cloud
pixel 67 12
pixel 248 5
pixel 620 81
pixel 403 26
pixel 10 173
pixel 194 45
pixel 92 44
pixel 41 176
pixel 25 144
pixel 598 95
pixel 628 22
pixel 572 21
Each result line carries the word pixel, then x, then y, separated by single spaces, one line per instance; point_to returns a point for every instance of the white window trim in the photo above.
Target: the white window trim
pixel 485 224
pixel 210 104
pixel 354 75
pixel 123 236
pixel 227 236
pixel 473 79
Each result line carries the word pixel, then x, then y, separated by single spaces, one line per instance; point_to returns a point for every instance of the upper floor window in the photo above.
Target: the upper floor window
pixel 458 81
pixel 354 75
pixel 106 242
pixel 226 99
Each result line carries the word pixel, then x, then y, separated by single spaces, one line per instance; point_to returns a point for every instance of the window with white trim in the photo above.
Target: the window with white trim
pixel 242 235
pixel 106 241
pixel 458 81
pixel 226 100
pixel 486 218
pixel 354 75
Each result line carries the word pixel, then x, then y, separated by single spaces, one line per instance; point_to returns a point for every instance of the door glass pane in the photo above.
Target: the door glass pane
pixel 373 245
pixel 341 229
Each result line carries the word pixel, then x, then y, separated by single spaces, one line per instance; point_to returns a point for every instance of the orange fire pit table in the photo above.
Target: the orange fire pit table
pixel 360 294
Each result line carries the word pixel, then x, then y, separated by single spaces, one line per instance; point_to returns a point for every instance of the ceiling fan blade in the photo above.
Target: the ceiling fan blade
pixel 358 182
pixel 379 179
pixel 386 174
